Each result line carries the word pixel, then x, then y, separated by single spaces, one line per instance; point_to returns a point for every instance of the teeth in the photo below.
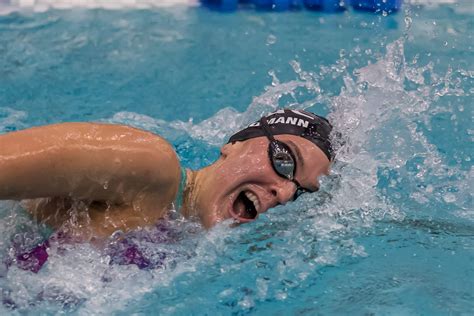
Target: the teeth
pixel 252 197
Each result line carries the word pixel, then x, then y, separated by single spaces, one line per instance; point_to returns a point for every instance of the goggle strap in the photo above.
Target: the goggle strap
pixel 266 129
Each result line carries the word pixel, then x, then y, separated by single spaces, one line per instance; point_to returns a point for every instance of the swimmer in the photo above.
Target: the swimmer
pixel 124 178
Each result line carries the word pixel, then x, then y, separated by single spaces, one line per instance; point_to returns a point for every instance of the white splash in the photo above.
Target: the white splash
pixel 11 119
pixel 377 118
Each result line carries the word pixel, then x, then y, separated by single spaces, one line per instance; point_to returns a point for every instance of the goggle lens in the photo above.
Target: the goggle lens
pixel 284 165
pixel 281 159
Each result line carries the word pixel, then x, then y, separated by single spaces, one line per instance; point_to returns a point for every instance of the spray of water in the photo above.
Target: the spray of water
pixel 382 121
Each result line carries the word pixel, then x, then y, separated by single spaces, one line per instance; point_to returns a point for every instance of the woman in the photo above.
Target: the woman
pixel 122 178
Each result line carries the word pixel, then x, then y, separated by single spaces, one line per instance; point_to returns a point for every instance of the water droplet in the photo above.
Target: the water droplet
pixel 449 198
pixel 296 66
pixel 281 296
pixel 271 39
pixel 246 303
pixel 408 22
pixel 106 185
pixel 275 80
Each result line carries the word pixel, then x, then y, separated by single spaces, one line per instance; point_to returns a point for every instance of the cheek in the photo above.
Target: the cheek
pixel 255 168
pixel 248 165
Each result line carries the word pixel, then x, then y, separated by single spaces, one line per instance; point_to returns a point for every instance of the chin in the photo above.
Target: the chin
pixel 209 221
pixel 217 212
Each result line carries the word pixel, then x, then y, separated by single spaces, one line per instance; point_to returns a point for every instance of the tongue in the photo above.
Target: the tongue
pixel 239 206
pixel 244 209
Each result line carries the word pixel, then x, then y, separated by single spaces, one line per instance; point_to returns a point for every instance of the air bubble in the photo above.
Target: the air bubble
pixel 271 39
pixel 281 296
pixel 408 22
pixel 449 198
pixel 246 303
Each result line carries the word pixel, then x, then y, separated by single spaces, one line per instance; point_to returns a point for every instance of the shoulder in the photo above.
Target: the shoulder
pixel 150 156
pixel 111 133
pixel 157 153
pixel 158 157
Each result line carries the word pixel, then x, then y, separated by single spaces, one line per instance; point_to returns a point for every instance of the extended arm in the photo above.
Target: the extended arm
pixel 102 162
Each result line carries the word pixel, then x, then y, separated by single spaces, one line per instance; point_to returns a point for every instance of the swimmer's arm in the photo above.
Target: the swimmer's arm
pixel 97 162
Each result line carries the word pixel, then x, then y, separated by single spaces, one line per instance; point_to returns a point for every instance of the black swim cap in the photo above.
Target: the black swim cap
pixel 294 122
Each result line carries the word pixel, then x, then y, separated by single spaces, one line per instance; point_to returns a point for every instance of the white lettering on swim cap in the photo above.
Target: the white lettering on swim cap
pixel 291 120
pixel 281 119
pixel 303 123
pixel 288 120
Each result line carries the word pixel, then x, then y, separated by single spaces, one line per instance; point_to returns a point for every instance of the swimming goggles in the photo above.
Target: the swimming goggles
pixel 282 159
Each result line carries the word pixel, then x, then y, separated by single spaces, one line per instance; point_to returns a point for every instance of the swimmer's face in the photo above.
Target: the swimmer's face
pixel 243 183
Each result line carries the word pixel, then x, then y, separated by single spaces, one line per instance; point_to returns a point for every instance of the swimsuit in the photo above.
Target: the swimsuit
pixel 35 258
pixel 182 185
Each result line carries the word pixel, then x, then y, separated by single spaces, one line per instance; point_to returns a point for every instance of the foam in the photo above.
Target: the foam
pixel 11 119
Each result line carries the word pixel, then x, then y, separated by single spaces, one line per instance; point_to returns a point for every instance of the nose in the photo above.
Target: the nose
pixel 283 191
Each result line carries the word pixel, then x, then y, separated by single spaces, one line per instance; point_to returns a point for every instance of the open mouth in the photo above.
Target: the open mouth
pixel 245 207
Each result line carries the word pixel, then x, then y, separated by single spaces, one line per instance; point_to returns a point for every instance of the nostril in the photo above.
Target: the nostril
pixel 274 193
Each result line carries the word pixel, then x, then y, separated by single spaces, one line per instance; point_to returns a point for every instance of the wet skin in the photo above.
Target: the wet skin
pixel 113 169
pixel 245 167
pixel 128 178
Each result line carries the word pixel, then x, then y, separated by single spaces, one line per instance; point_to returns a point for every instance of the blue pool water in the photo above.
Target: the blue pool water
pixel 390 233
